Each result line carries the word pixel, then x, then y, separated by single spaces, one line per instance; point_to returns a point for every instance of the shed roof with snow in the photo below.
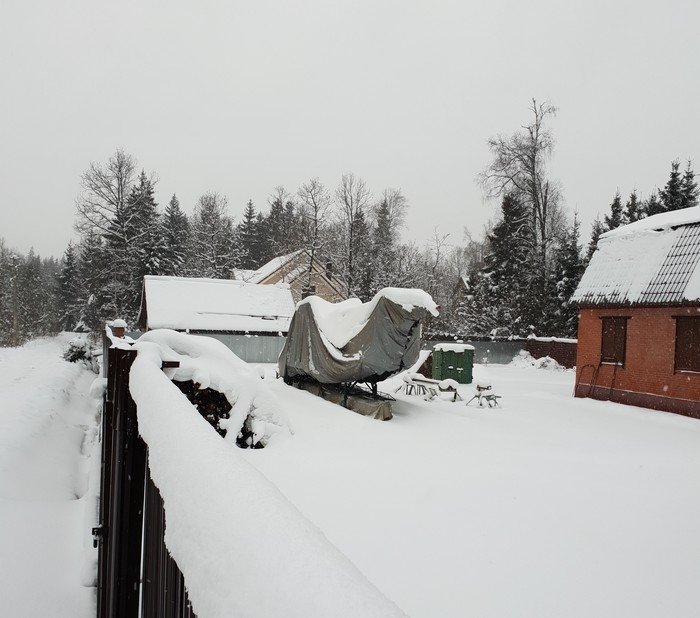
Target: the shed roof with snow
pixel 652 262
pixel 214 305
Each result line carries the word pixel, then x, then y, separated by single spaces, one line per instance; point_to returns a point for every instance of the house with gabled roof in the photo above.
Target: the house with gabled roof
pixel 639 318
pixel 293 269
pixel 252 320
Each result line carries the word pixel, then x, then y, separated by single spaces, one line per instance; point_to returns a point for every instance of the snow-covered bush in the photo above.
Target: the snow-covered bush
pixel 526 360
pixel 79 351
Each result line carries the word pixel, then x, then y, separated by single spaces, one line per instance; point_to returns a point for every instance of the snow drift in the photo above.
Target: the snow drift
pixel 242 547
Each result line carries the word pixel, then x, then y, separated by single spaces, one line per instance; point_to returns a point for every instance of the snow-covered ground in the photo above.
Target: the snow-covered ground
pixel 548 506
pixel 47 429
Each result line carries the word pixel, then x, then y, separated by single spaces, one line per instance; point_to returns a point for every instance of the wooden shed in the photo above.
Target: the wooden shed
pixel 251 319
pixel 639 320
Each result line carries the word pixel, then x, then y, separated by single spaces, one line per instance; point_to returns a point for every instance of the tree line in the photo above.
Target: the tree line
pixel 515 281
pixel 532 255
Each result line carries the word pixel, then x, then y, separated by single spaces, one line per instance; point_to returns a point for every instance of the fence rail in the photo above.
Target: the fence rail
pixel 135 570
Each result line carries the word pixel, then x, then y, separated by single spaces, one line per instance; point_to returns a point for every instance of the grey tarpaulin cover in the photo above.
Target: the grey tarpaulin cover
pixel 353 341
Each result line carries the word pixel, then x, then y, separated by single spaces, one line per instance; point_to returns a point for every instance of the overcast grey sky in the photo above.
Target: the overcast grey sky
pixel 239 97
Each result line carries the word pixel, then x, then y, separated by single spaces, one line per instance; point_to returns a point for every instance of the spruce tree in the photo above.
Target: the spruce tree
pixel 653 206
pixel 382 249
pixel 689 188
pixel 146 241
pixel 596 232
pixel 69 289
pixel 248 237
pixel 501 293
pixel 569 269
pixel 364 267
pixel 615 218
pixel 634 209
pixel 176 231
pixel 214 250
pixel 671 196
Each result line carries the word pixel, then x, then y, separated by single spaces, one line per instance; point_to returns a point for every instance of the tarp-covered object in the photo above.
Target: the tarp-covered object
pixel 355 342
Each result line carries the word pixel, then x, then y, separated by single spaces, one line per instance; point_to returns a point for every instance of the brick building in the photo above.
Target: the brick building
pixel 639 321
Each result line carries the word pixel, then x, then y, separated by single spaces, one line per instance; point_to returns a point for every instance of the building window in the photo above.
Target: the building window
pixel 614 340
pixel 687 344
pixel 309 291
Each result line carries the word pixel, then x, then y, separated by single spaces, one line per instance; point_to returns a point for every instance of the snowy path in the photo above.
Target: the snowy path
pixel 46 431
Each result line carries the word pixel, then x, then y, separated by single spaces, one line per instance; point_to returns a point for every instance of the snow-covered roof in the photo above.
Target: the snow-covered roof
pixel 274 264
pixel 243 274
pixel 219 305
pixel 653 261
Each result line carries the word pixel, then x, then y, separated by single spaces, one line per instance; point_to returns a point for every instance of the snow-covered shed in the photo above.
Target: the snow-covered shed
pixel 639 319
pixel 250 319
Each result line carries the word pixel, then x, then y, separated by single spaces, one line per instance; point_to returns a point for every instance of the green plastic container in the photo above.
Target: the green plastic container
pixel 453 360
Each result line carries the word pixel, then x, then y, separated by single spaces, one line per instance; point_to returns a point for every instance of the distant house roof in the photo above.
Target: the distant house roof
pixel 273 265
pixel 654 261
pixel 290 268
pixel 215 305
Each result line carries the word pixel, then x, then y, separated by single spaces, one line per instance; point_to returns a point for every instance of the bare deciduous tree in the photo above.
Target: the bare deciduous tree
pixel 315 203
pixel 104 193
pixel 519 166
pixel 353 198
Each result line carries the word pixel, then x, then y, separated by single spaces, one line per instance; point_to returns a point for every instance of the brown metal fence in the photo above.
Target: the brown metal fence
pixel 135 569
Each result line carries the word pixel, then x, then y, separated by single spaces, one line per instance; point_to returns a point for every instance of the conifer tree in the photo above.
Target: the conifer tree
pixel 274 236
pixel 634 209
pixel 596 232
pixel 215 251
pixel 569 269
pixel 146 240
pixel 69 292
pixel 652 205
pixel 671 196
pixel 615 218
pixel 248 238
pixel 94 276
pixel 176 232
pixel 364 268
pixel 383 251
pixel 689 188
pixel 10 328
pixel 502 299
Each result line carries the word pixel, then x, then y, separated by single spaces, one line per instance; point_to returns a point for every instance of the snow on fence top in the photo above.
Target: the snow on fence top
pixel 650 262
pixel 242 547
pixel 552 339
pixel 221 305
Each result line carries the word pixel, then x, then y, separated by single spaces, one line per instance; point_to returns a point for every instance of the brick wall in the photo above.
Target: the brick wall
pixel 649 361
pixel 564 352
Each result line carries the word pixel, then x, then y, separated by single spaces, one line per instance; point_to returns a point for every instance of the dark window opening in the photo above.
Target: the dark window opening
pixel 329 270
pixel 309 291
pixel 614 340
pixel 687 344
